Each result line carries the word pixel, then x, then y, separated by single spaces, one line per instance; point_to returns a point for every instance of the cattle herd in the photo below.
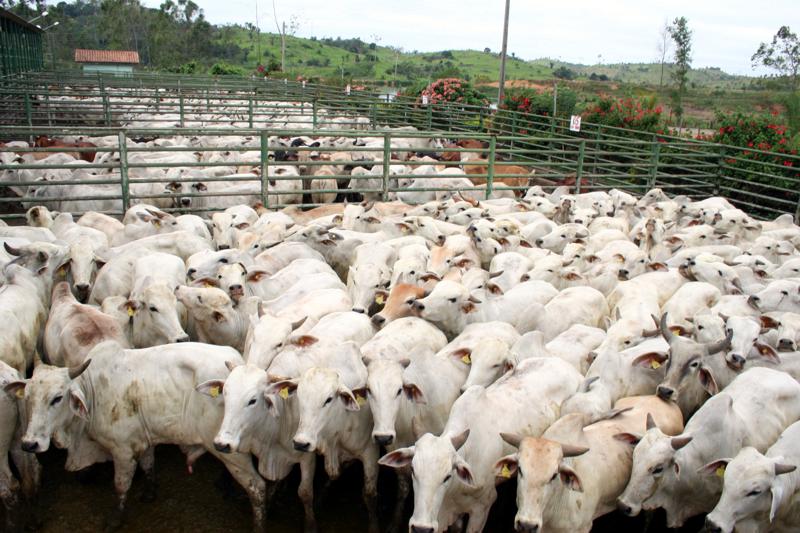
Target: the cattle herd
pixel 607 351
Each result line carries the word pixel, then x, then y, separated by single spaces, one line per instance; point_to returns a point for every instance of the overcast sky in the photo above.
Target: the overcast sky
pixel 726 33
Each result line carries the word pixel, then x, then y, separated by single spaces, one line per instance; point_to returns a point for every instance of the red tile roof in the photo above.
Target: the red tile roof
pixel 106 56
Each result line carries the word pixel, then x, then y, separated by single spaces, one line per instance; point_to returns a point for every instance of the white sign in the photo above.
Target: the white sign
pixel 347 90
pixel 424 99
pixel 304 84
pixel 575 123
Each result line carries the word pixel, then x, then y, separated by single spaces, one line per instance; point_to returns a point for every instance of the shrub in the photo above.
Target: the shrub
pixel 540 102
pixel 632 113
pixel 565 73
pixel 192 67
pixel 224 69
pixel 756 132
pixel 453 90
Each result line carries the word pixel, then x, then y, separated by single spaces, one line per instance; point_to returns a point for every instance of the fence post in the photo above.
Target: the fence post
pixel 314 113
pixel 180 106
pixel 656 150
pixel 387 157
pixel 490 166
pixel 579 170
pixel 106 109
pixel 157 100
pixel 47 104
pixel 28 115
pixel 250 112
pixel 123 171
pixel 430 117
pixel 265 169
pixel 720 161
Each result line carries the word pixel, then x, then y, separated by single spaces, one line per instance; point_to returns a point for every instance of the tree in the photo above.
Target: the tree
pixel 782 55
pixel 663 48
pixel 487 50
pixel 682 36
pixel 294 25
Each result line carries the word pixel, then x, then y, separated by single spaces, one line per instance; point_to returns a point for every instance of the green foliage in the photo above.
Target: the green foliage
pixel 564 73
pixel 782 55
pixel 682 36
pixel 541 102
pixel 631 113
pixel 224 69
pixel 792 105
pixel 192 67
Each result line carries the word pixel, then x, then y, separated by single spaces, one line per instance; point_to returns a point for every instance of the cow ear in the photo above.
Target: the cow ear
pixel 399 458
pixel 304 341
pixel 349 399
pixel 707 380
pixel 63 268
pixel 468 307
pixel 506 467
pixel 205 282
pixel 272 409
pixel 361 395
pixel 77 404
pixel 218 317
pixel 131 306
pixel 212 387
pixel 767 322
pixel 767 352
pixel 16 389
pixel 256 276
pixel 631 438
pixel 414 393
pixel 463 471
pixel 283 388
pixel 338 219
pixel 714 467
pixel 464 263
pixel 494 288
pixel 569 478
pixel 652 360
pixel 464 355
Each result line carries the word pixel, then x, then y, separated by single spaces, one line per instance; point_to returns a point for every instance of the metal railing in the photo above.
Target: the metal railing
pixel 764 183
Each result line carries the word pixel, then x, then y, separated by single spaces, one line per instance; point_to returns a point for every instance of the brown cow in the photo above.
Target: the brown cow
pixel 50 142
pixel 398 303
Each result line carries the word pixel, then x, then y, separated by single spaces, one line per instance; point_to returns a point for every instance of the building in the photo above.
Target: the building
pixel 117 62
pixel 21 48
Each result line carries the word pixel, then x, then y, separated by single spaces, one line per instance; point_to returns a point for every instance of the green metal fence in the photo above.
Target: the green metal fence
pixel 20 45
pixel 764 183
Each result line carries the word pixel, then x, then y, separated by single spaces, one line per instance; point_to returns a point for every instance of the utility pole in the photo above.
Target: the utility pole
pixel 500 90
pixel 258 37
pixel 555 98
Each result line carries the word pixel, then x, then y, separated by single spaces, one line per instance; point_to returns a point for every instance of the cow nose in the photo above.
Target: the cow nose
pixel 223 448
pixel 786 345
pixel 359 310
pixel 30 446
pixel 578 221
pixel 185 202
pixel 418 529
pixel 82 287
pixel 419 306
pixel 526 527
pixel 539 242
pixel 665 393
pixel 711 527
pixel 223 247
pixel 383 440
pixel 301 446
pixel 737 360
pixel 378 321
pixel 185 338
pixel 236 287
pixel 624 508
pixel 754 301
pixel 191 272
pixel 441 239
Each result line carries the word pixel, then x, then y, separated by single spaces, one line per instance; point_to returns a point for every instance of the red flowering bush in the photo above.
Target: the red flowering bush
pixel 453 90
pixel 641 114
pixel 756 134
pixel 540 102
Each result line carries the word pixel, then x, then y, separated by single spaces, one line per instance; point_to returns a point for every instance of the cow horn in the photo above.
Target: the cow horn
pixel 512 439
pixel 679 442
pixel 724 344
pixel 496 274
pixel 651 423
pixel 665 331
pixel 459 440
pixel 11 250
pixel 474 300
pixel 569 450
pixel 74 372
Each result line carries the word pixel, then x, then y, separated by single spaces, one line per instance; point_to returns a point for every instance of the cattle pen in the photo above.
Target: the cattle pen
pixel 124 110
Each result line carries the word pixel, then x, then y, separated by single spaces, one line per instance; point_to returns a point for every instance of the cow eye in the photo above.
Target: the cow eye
pixel 719 272
pixel 447 478
pixel 554 477
pixel 223 260
pixel 755 492
pixel 153 309
pixel 251 402
pixel 219 277
pixel 57 399
pixel 700 327
pixel 658 469
pixel 452 300
pixel 399 391
pixel 694 364
pixel 412 273
pixel 785 293
pixel 627 342
pixel 563 236
pixel 329 400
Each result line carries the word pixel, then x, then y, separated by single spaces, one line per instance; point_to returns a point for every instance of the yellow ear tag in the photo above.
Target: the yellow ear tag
pixel 207 285
pixel 466 359
pixel 405 229
pixel 654 364
pixel 214 391
pixel 284 393
pixel 20 393
pixel 379 299
pixel 360 400
pixel 62 270
pixel 676 331
pixel 157 223
pixel 131 312
pixel 505 472
pixel 720 471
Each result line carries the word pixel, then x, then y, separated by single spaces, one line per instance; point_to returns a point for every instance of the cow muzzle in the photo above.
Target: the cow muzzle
pixel 626 509
pixel 665 393
pixel 222 447
pixel 30 446
pixel 383 440
pixel 523 526
pixel 301 445
pixel 421 529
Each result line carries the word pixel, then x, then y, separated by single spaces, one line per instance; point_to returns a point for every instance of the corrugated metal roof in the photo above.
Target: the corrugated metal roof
pixel 106 56
pixel 4 13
